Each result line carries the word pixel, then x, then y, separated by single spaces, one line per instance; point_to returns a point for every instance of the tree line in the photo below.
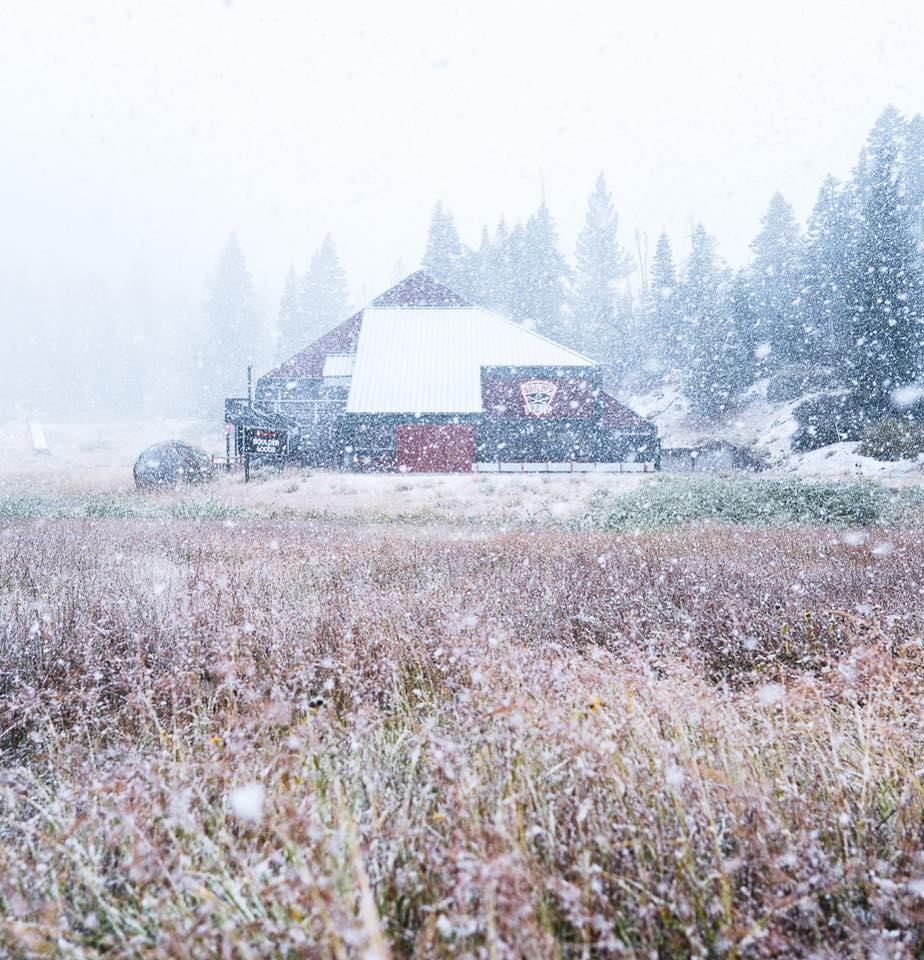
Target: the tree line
pixel 836 307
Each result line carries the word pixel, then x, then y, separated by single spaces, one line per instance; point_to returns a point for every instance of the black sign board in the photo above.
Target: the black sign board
pixel 264 443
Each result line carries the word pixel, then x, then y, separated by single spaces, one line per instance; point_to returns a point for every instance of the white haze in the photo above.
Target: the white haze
pixel 136 136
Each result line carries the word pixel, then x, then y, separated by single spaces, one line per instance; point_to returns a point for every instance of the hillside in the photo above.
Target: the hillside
pixel 763 427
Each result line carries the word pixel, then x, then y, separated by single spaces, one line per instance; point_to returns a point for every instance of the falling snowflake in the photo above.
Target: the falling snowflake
pixel 247 801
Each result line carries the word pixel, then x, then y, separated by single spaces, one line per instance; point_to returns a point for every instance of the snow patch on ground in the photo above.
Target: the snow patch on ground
pixel 842 459
pixel 765 428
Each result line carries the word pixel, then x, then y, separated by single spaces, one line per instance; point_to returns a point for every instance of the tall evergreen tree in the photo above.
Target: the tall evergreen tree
pixel 742 354
pixel 472 268
pixel 914 179
pixel 324 297
pixel 776 282
pixel 443 255
pixel 231 327
pixel 518 266
pixel 884 299
pixel 830 252
pixel 601 263
pixel 498 278
pixel 712 346
pixel 292 326
pixel 544 274
pixel 477 269
pixel 661 306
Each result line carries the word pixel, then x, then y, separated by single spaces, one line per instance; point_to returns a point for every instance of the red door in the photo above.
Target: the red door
pixel 435 447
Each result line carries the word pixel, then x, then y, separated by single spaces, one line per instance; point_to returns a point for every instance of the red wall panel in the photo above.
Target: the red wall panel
pixel 435 447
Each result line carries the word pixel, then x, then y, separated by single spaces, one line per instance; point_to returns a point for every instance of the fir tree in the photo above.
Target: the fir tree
pixel 884 300
pixel 443 257
pixel 498 279
pixel 775 285
pixel 518 266
pixel 601 263
pixel 477 270
pixel 324 297
pixel 710 342
pixel 292 327
pixel 830 251
pixel 661 306
pixel 741 353
pixel 544 274
pixel 231 327
pixel 914 179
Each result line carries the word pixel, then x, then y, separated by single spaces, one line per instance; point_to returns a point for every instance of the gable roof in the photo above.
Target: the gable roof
pixel 415 291
pixel 310 361
pixel 420 290
pixel 429 360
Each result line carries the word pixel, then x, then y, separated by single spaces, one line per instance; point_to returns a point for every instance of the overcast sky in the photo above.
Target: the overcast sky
pixel 153 129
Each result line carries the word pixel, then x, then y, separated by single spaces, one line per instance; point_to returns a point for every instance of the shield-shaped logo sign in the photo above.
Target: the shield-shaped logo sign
pixel 538 396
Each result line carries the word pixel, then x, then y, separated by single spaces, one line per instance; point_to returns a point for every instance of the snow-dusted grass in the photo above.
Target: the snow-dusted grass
pixel 262 739
pixel 760 501
pixel 459 498
pixel 90 457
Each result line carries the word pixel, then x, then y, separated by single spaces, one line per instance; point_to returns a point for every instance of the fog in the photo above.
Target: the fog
pixel 137 137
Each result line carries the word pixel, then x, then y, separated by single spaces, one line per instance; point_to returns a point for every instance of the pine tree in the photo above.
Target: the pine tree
pixel 601 263
pixel 518 266
pixel 324 297
pixel 498 280
pixel 292 326
pixel 742 353
pixel 661 306
pixel 231 327
pixel 775 282
pixel 544 274
pixel 830 251
pixel 477 271
pixel 914 179
pixel 884 299
pixel 443 257
pixel 711 344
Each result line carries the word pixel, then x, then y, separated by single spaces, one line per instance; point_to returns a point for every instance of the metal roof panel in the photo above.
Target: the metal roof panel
pixel 423 361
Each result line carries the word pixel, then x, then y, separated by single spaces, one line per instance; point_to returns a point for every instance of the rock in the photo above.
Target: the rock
pixel 170 464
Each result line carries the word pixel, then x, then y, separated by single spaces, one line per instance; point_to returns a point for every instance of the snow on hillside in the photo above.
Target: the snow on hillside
pixel 763 427
pixel 756 424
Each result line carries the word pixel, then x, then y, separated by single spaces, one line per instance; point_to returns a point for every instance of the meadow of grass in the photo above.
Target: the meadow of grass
pixel 235 736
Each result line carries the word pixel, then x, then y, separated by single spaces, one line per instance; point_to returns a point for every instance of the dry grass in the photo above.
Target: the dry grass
pixel 700 742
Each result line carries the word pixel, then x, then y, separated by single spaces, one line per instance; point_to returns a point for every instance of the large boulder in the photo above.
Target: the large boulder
pixel 170 464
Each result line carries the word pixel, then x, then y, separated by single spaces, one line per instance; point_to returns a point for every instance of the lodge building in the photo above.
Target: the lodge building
pixel 423 380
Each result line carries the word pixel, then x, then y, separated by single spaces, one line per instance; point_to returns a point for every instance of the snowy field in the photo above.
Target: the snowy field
pixel 343 715
pixel 311 738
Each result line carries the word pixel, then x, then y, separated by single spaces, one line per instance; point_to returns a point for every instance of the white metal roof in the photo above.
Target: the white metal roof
pixel 338 365
pixel 430 360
